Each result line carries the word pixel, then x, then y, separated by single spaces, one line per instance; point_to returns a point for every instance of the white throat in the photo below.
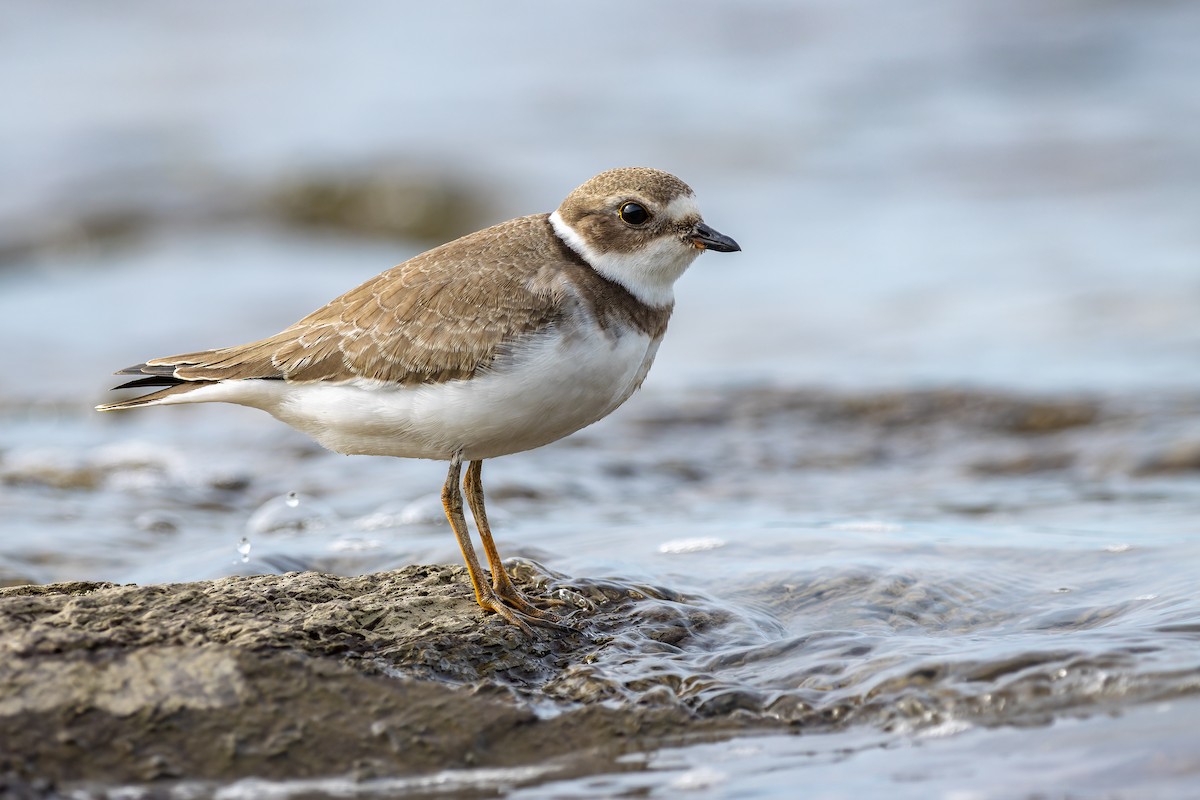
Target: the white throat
pixel 648 274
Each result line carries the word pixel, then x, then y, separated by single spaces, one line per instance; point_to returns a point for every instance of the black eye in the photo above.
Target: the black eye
pixel 634 214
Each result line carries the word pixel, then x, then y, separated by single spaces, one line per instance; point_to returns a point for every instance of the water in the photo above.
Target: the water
pixel 1093 756
pixel 243 549
pixel 944 601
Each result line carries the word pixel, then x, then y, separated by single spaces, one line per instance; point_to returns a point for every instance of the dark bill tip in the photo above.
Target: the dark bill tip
pixel 708 239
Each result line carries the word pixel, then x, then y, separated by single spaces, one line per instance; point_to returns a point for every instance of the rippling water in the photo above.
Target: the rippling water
pixel 978 594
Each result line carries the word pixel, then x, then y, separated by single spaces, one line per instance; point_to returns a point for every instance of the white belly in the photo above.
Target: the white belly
pixel 551 387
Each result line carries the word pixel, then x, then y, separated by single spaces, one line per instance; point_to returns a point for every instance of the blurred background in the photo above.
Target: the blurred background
pixel 997 201
pixel 986 193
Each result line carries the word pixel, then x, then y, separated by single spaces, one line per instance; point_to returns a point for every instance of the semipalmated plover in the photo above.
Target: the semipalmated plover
pixel 501 341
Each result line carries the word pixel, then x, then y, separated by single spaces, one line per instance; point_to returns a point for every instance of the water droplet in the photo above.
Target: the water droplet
pixel 244 549
pixel 291 513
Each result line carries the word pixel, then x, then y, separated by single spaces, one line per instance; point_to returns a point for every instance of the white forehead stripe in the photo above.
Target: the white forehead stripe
pixel 682 207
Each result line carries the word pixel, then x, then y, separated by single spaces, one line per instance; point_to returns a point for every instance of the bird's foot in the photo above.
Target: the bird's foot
pixel 510 603
pixel 522 613
pixel 518 600
pixel 504 588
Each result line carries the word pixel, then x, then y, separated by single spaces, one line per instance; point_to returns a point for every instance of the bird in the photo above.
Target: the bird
pixel 498 342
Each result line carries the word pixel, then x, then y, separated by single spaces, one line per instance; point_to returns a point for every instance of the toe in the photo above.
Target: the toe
pixel 520 613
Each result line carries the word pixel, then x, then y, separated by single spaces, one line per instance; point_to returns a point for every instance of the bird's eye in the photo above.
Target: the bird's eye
pixel 634 214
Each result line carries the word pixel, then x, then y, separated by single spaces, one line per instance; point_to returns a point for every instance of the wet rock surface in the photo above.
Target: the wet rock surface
pixel 298 676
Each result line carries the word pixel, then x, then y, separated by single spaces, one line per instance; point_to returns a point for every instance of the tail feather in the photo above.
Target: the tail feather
pixel 160 370
pixel 178 387
pixel 150 381
pixel 204 368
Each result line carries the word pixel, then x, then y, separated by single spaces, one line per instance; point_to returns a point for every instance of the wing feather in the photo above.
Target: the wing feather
pixel 442 315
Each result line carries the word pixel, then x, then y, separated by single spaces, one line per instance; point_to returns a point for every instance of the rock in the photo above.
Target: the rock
pixel 1177 457
pixel 422 203
pixel 1023 463
pixel 398 204
pixel 297 676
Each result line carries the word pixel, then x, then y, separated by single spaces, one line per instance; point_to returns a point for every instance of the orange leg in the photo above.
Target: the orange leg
pixel 501 583
pixel 485 594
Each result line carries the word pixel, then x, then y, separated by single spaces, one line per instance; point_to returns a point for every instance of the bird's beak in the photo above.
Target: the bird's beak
pixel 705 238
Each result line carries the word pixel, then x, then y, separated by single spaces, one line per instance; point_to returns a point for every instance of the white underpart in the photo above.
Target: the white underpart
pixel 650 273
pixel 552 386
